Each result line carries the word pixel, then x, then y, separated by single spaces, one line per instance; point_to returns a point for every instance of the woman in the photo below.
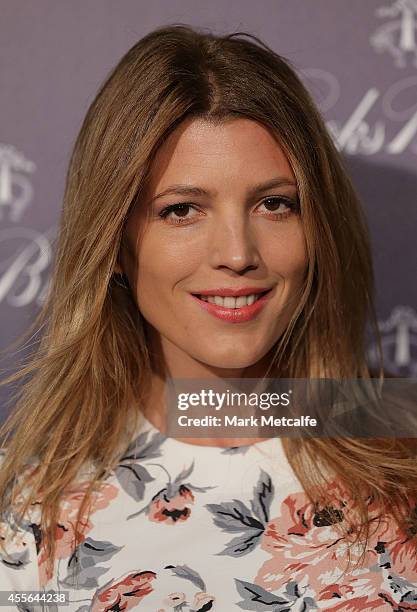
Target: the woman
pixel 202 166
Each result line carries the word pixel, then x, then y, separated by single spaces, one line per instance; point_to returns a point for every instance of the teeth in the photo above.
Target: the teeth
pixel 231 302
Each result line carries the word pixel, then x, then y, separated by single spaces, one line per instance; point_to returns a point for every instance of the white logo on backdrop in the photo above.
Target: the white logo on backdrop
pixel 398 36
pixel 15 188
pixel 357 134
pixel 399 342
pixel 27 252
pixel 21 282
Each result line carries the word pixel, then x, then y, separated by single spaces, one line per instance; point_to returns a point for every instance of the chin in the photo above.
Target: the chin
pixel 234 360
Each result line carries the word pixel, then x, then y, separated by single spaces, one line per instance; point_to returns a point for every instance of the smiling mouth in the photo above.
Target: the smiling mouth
pixel 230 301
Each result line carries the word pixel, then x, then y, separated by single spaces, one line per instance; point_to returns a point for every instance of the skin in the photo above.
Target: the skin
pixel 227 239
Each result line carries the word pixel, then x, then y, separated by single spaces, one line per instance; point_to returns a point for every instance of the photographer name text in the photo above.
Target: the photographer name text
pixel 252 421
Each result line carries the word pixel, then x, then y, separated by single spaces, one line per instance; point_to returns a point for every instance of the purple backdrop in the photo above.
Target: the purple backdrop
pixel 358 59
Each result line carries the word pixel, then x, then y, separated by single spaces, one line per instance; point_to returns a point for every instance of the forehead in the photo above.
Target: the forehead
pixel 236 148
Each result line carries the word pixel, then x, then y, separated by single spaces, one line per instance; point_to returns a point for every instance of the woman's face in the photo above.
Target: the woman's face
pixel 232 231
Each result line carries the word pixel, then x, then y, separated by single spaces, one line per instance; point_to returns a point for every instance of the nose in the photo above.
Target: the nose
pixel 233 244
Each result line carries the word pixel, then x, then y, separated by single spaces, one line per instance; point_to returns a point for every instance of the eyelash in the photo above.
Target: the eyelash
pixel 292 205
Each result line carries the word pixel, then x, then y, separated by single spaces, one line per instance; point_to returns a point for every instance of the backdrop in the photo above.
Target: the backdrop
pixel 358 59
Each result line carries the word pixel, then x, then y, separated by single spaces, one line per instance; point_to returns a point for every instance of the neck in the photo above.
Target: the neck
pixel 180 365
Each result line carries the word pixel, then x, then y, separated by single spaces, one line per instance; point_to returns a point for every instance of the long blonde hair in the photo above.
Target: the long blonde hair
pixel 84 384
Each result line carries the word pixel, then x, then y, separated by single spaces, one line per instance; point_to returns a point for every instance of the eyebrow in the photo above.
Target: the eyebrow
pixel 190 190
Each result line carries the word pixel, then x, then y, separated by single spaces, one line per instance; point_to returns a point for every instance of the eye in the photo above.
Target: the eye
pixel 180 209
pixel 281 207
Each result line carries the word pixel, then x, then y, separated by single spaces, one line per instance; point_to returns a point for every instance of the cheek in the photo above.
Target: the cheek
pixel 286 255
pixel 161 265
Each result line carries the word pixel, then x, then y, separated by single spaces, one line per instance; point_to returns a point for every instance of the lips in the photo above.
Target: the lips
pixel 236 315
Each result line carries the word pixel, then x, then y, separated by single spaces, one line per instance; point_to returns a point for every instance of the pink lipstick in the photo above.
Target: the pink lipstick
pixel 235 315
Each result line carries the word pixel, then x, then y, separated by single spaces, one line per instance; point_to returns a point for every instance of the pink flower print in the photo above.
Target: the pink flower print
pixel 304 542
pixel 65 532
pixel 170 509
pixel 171 504
pixel 174 599
pixel 125 594
pixel 202 601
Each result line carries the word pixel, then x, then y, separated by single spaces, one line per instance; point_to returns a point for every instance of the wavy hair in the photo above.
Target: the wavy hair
pixel 82 387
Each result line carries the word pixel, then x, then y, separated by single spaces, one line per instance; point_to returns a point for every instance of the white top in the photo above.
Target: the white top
pixel 182 527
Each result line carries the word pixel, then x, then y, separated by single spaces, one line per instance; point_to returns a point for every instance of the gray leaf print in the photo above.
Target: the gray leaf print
pixel 293 593
pixel 84 578
pixel 184 474
pixel 133 479
pixel 410 597
pixel 17 524
pixel 135 446
pixel 309 604
pixel 11 518
pixel 243 544
pixel 397 583
pixel 199 489
pixel 233 516
pixel 83 570
pixel 142 448
pixel 234 450
pixel 183 571
pixel 263 493
pixel 256 598
pixel 291 589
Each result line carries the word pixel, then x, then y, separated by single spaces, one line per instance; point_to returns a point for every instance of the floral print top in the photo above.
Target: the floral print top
pixel 181 527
